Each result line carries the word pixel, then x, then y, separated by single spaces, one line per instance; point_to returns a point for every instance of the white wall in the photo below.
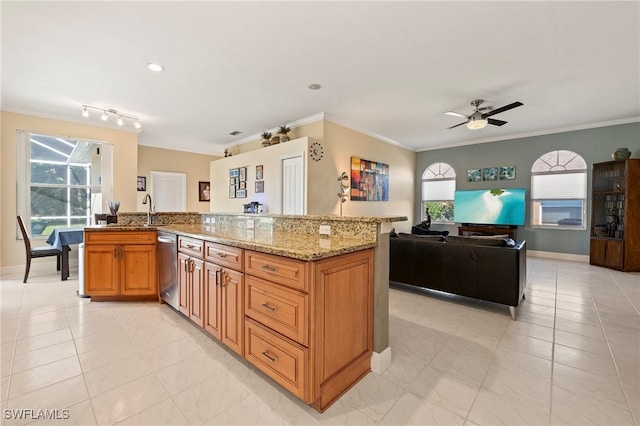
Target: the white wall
pixel 270 158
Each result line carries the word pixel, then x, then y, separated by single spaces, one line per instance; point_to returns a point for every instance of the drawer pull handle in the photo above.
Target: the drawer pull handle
pixel 270 357
pixel 271 308
pixel 270 268
pixel 220 254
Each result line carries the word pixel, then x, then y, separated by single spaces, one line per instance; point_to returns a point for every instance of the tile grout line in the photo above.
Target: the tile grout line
pixel 613 359
pixel 84 380
pixel 553 346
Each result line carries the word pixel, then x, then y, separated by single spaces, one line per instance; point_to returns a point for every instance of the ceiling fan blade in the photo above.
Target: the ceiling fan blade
pixel 502 109
pixel 456 114
pixel 449 128
pixel 496 122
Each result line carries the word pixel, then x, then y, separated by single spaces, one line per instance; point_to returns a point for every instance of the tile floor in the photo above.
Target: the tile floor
pixel 572 357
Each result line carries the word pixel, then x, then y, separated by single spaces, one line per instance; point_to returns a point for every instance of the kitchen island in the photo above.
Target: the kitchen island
pixel 296 304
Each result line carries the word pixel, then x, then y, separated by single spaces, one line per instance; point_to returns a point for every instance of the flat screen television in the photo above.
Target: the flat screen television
pixel 504 206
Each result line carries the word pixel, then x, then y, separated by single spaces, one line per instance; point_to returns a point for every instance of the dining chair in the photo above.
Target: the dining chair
pixel 34 252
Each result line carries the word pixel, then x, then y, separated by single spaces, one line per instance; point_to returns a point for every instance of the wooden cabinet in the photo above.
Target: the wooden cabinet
pixel 615 215
pixel 191 279
pixel 120 265
pixel 607 253
pixel 309 325
pixel 210 291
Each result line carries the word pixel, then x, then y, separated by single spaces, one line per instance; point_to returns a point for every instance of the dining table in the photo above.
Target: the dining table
pixel 62 238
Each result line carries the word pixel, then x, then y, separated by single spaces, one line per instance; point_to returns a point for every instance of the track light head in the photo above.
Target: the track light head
pixel 106 112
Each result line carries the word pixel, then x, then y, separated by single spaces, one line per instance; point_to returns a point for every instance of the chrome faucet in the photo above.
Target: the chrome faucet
pixel 150 211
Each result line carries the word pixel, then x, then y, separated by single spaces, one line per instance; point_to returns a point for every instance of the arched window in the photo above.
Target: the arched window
pixel 438 186
pixel 559 190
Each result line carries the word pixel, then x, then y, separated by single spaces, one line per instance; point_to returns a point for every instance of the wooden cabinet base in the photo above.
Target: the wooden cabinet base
pixel 143 298
pixel 344 380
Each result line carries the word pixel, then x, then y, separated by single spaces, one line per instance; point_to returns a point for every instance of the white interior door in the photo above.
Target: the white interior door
pixel 293 185
pixel 169 191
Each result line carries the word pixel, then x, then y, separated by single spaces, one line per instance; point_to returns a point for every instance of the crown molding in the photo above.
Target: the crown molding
pixel 341 122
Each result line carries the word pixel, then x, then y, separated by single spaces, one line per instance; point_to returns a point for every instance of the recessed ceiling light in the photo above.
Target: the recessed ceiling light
pixel 314 86
pixel 155 67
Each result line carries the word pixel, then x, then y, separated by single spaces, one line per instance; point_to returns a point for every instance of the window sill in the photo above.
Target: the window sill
pixel 559 228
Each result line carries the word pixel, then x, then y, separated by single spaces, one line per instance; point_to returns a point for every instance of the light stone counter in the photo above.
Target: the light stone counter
pixel 295 245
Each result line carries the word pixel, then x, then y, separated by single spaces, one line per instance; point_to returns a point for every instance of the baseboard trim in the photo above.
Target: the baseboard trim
pixel 380 362
pixel 558 256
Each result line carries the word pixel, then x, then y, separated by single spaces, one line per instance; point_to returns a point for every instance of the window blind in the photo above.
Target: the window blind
pixel 438 190
pixel 562 186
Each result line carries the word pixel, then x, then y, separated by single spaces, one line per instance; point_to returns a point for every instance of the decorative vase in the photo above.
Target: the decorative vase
pixel 265 143
pixel 113 207
pixel 285 138
pixel 275 140
pixel 621 154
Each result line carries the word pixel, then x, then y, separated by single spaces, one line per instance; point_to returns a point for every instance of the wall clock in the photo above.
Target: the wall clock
pixel 315 151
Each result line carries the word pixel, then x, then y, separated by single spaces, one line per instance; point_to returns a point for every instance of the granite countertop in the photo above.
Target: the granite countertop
pixel 288 244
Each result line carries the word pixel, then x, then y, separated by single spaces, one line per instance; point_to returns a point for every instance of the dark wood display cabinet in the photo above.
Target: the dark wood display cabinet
pixel 615 215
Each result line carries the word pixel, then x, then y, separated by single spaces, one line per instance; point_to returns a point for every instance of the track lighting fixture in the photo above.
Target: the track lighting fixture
pixel 106 113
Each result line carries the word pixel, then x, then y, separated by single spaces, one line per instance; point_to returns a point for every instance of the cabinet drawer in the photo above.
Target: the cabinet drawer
pixel 191 246
pixel 277 307
pixel 223 255
pixel 121 237
pixel 289 272
pixel 282 360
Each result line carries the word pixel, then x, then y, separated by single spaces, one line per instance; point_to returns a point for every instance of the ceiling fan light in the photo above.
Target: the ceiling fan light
pixel 477 124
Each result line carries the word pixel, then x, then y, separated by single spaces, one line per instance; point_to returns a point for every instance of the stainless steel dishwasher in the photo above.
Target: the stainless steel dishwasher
pixel 167 251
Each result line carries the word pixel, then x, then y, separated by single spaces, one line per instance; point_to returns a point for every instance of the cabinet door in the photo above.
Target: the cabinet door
pixel 138 270
pixel 196 292
pixel 101 270
pixel 615 251
pixel 184 279
pixel 232 310
pixel 212 277
pixel 597 253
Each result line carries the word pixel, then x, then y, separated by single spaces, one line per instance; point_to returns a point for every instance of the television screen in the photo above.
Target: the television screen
pixel 504 206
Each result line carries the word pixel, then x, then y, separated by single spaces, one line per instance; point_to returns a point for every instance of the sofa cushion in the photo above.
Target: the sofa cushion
pixel 502 242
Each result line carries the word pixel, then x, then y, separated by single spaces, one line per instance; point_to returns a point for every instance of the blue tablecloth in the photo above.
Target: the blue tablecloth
pixel 65 236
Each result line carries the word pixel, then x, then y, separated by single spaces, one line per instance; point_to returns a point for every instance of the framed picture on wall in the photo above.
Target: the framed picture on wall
pixel 142 183
pixel 474 175
pixel 243 174
pixel 259 186
pixel 490 173
pixel 232 181
pixel 507 172
pixel 243 185
pixel 241 193
pixel 259 175
pixel 232 191
pixel 233 173
pixel 204 191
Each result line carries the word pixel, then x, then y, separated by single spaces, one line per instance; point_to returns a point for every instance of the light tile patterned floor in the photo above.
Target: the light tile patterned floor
pixel 572 357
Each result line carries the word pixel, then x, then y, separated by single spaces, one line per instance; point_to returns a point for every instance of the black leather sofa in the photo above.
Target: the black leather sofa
pixel 494 270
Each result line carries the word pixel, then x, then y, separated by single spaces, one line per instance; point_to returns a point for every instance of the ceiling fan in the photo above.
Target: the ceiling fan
pixel 480 117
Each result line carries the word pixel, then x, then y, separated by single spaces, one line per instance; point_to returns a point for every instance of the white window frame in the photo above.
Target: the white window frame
pixel 24 184
pixel 442 173
pixel 558 163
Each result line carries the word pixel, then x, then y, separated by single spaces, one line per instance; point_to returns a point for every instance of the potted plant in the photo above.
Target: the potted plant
pixel 265 138
pixel 283 130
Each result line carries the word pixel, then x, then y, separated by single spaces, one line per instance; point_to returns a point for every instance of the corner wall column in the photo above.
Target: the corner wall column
pixel 381 358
